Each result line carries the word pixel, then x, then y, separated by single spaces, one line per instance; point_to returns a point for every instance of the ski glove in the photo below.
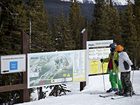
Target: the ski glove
pixel 101 60
pixel 116 62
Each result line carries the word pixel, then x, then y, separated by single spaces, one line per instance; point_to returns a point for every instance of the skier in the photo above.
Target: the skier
pixel 125 65
pixel 113 69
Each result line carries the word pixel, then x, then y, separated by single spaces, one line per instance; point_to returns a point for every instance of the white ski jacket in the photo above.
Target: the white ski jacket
pixel 123 56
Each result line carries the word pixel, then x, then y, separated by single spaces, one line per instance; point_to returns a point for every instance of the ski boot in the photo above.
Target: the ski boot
pixel 112 90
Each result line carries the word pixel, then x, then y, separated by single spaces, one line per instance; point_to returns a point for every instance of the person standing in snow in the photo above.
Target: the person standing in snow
pixel 125 65
pixel 113 69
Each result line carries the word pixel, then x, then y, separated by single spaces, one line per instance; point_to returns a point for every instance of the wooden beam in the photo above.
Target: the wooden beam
pixel 12 87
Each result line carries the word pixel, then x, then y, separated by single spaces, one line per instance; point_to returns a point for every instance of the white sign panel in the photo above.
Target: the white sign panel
pixel 97 50
pixel 100 43
pixel 13 63
pixel 79 65
pixel 99 53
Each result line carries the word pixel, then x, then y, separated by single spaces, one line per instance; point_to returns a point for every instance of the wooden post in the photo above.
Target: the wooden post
pixel 25 50
pixel 84 40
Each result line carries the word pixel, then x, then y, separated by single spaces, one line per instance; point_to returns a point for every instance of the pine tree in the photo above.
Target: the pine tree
pixel 40 36
pixel 76 22
pixel 101 21
pixel 13 19
pixel 129 30
pixel 62 34
pixel 114 22
pixel 137 22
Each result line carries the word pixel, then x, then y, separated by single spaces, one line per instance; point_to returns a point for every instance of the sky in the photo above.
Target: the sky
pixel 90 94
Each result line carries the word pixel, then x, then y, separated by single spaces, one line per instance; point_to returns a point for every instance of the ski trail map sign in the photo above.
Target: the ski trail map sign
pixel 55 67
pixel 97 50
pixel 49 68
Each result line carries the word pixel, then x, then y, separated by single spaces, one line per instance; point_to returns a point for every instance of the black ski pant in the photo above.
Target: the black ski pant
pixel 126 83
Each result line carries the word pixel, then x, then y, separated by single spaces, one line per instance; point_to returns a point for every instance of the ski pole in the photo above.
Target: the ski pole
pixel 132 83
pixel 132 76
pixel 103 77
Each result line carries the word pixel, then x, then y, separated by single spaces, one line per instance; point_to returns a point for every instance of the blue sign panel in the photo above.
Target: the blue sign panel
pixel 13 65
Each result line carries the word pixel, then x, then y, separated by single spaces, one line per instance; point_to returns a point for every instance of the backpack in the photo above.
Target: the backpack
pixel 126 65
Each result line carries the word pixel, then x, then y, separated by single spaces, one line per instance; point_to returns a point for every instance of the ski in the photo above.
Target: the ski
pixel 107 95
pixel 114 96
pixel 118 97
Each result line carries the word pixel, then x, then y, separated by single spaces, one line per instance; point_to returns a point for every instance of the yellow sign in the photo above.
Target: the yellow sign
pixel 96 67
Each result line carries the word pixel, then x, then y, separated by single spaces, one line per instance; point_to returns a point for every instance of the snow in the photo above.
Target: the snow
pixel 90 95
pixel 120 2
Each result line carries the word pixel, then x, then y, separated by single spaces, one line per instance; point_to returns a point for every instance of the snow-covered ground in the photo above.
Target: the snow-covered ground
pixel 96 87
